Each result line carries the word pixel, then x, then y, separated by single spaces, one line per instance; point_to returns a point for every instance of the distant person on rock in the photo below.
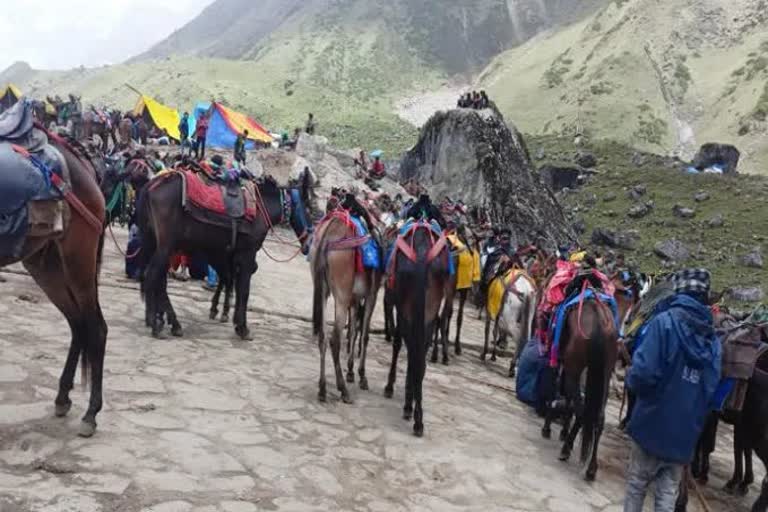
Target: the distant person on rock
pixel 484 101
pixel 240 147
pixel 361 162
pixel 310 128
pixel 378 171
pixel 201 132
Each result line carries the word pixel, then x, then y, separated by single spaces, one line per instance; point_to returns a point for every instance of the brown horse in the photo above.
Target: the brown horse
pixel 421 270
pixel 66 267
pixel 596 353
pixel 333 266
pixel 168 226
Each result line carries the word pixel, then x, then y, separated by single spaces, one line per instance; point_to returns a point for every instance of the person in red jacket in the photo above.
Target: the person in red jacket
pixel 377 169
pixel 201 130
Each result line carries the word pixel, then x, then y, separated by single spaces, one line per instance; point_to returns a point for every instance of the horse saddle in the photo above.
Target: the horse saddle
pixel 17 121
pixel 234 200
pixel 230 200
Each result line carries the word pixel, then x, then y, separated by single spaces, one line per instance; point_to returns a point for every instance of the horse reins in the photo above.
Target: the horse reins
pixel 270 227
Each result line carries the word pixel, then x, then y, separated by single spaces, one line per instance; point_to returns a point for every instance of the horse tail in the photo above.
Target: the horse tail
pixel 595 395
pixel 320 281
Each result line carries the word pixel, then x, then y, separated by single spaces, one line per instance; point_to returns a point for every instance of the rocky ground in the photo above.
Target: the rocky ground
pixel 208 423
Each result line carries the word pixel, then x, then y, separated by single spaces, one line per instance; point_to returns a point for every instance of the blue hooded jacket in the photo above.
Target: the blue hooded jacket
pixel 674 374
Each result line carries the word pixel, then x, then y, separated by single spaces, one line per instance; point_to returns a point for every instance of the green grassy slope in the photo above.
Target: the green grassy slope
pixel 740 199
pixel 663 76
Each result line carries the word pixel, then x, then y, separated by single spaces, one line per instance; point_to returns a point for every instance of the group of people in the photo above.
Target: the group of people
pixel 375 171
pixel 475 100
pixel 194 142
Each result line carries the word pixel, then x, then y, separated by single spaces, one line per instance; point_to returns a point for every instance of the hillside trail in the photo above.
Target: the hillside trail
pixel 417 109
pixel 208 423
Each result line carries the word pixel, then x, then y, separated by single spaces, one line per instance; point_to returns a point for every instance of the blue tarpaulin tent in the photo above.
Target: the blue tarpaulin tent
pixel 225 124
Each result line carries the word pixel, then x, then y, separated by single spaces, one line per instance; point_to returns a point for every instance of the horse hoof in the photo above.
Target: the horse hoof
pixel 213 315
pixel 418 430
pixel 546 433
pixel 590 475
pixel 388 392
pixel 730 487
pixel 482 357
pixel 346 398
pixel 458 351
pixel 743 489
pixel 563 435
pixel 564 456
pixel 350 377
pixel 243 333
pixel 61 410
pixel 158 334
pixel 364 383
pixel 224 319
pixel 86 429
pixel 445 361
pixel 407 414
pixel 321 396
pixel 177 331
pixel 511 373
pixel 493 358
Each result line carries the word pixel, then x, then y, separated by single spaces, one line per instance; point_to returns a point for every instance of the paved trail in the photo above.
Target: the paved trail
pixel 208 423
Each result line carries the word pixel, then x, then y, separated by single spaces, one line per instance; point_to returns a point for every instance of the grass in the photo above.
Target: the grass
pixel 738 198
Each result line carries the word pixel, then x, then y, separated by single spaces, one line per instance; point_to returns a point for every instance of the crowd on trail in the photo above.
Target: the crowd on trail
pixel 569 311
pixel 474 100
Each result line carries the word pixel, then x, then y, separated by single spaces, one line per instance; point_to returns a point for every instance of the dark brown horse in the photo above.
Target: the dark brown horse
pixel 750 435
pixel 66 267
pixel 596 353
pixel 421 270
pixel 167 226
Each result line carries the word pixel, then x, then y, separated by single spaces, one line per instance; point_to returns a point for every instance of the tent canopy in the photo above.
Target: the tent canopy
pixel 9 95
pixel 164 117
pixel 225 124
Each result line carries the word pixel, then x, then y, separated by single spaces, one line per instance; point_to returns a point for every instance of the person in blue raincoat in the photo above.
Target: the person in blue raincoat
pixel 674 374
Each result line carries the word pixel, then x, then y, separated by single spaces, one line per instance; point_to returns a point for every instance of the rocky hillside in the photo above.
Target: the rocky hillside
pixel 666 76
pixel 643 206
pixel 476 157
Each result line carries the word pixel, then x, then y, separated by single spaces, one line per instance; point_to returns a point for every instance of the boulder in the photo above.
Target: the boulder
pixel 586 159
pixel 638 211
pixel 579 226
pixel 311 147
pixel 753 259
pixel 559 177
pixel 746 293
pixel 637 192
pixel 683 212
pixel 716 221
pixel 701 196
pixel 723 155
pixel 673 250
pixel 610 196
pixel 615 239
pixel 476 157
pixel 541 154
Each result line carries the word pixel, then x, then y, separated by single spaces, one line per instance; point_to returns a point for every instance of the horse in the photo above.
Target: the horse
pixel 750 434
pixel 167 226
pixel 421 270
pixel 466 257
pixel 442 331
pixel 516 293
pixel 66 267
pixel 596 353
pixel 333 266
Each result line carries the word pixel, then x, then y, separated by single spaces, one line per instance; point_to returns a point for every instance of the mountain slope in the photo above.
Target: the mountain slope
pixel 665 76
pixel 347 61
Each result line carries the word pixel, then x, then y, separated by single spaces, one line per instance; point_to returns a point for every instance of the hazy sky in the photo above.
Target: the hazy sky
pixel 61 34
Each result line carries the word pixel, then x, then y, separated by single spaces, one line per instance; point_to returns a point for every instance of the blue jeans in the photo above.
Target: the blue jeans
pixel 644 470
pixel 212 279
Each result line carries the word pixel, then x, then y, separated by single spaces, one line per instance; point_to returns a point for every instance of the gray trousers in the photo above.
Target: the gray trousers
pixel 644 470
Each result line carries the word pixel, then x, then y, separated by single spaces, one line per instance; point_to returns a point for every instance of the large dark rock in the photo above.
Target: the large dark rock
pixel 586 159
pixel 717 221
pixel 476 157
pixel 614 239
pixel 724 155
pixel 673 250
pixel 683 212
pixel 560 177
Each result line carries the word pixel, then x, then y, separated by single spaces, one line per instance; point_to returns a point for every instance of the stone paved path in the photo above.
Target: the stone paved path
pixel 208 423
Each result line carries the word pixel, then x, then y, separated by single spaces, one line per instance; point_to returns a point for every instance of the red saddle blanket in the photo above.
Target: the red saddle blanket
pixel 211 196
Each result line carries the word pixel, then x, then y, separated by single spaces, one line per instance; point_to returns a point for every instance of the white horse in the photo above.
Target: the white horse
pixel 515 315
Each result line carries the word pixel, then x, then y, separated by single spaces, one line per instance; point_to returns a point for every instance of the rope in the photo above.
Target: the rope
pixel 120 249
pixel 271 227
